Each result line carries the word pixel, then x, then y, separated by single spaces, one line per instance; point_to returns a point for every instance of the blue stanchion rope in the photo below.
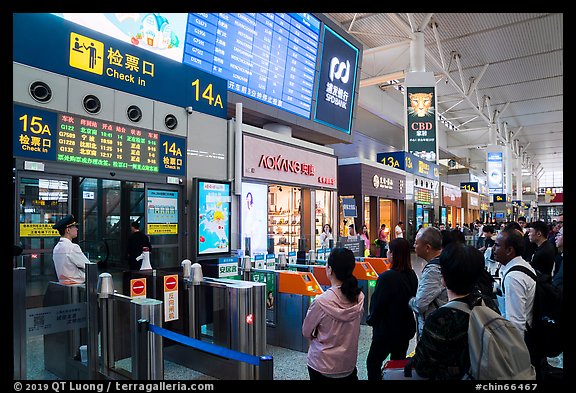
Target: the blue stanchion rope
pixel 208 347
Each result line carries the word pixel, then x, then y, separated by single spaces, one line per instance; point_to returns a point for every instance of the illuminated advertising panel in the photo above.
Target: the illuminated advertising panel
pixel 494 172
pixel 214 200
pixel 161 33
pixel 421 122
pixel 255 216
pixel 337 82
pixel 81 140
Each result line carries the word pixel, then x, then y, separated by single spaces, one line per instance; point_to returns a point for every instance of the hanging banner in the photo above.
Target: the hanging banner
pixel 494 172
pixel 421 122
pixel 337 82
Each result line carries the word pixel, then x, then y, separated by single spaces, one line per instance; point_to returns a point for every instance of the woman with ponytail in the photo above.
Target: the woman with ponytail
pixel 332 323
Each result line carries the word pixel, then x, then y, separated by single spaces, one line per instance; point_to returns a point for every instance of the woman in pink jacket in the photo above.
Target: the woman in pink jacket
pixel 332 323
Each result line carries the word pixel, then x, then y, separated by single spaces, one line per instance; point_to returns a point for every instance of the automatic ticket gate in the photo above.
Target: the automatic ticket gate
pixel 225 312
pixel 380 265
pixel 292 294
pixel 62 349
pixel 366 276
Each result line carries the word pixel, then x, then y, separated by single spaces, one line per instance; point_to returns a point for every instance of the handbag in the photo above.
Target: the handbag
pixel 400 370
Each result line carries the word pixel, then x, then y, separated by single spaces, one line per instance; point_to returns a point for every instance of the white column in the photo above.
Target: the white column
pixel 238 165
pixel 519 178
pixel 417 53
pixel 508 169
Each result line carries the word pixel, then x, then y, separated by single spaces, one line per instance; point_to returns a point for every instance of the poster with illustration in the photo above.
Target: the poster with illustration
pixel 161 33
pixel 255 216
pixel 214 202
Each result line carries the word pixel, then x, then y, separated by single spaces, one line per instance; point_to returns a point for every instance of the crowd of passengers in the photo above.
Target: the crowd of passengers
pixel 404 306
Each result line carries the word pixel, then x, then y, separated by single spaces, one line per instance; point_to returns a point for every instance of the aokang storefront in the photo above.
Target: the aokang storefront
pixel 379 193
pixel 288 194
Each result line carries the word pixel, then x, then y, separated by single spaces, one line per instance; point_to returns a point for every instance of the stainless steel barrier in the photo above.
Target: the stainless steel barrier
pixel 19 322
pixel 291 301
pixel 228 313
pixel 147 354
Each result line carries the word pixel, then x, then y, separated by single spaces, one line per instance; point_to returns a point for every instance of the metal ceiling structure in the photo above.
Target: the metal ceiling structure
pixel 499 80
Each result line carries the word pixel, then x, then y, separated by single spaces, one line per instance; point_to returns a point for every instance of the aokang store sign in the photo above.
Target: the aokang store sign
pixel 267 160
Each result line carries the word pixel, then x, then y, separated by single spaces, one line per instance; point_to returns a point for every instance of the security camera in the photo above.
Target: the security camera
pixel 112 173
pixel 189 110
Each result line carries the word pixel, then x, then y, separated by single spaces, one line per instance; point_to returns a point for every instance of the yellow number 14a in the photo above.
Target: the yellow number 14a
pixel 207 94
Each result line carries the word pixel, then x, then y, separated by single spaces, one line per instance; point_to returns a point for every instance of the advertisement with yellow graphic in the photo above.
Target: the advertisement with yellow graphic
pixel 161 33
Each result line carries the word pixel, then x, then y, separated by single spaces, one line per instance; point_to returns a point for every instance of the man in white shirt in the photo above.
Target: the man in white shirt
pixel 69 260
pixel 517 287
pixel 398 231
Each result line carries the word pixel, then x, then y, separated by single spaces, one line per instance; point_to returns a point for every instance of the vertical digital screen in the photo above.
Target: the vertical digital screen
pixel 337 83
pixel 494 167
pixel 255 216
pixel 421 122
pixel 264 56
pixel 214 203
pixel 419 216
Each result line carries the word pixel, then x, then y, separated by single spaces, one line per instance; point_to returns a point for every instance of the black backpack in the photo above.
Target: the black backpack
pixel 485 288
pixel 546 328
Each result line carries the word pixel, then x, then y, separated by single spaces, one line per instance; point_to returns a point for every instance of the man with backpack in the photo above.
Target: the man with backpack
pixel 442 352
pixel 518 287
pixel 465 339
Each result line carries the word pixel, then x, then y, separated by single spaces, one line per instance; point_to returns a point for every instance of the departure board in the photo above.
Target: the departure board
pixel 269 57
pixel 101 143
pixel 75 139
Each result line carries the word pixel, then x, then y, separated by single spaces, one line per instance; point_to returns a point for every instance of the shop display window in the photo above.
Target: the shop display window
pixel 284 217
pixel 323 214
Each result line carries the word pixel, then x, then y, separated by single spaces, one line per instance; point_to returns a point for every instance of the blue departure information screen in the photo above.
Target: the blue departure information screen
pixel 269 57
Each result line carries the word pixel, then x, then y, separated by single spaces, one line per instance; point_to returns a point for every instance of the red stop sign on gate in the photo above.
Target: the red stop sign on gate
pixel 170 283
pixel 138 287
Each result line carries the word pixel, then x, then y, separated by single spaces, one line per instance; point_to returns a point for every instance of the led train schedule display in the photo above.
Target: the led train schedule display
pixel 267 57
pixel 76 139
pixel 102 143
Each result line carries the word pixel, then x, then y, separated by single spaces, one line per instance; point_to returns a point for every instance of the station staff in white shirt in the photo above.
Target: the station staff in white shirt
pixel 69 260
